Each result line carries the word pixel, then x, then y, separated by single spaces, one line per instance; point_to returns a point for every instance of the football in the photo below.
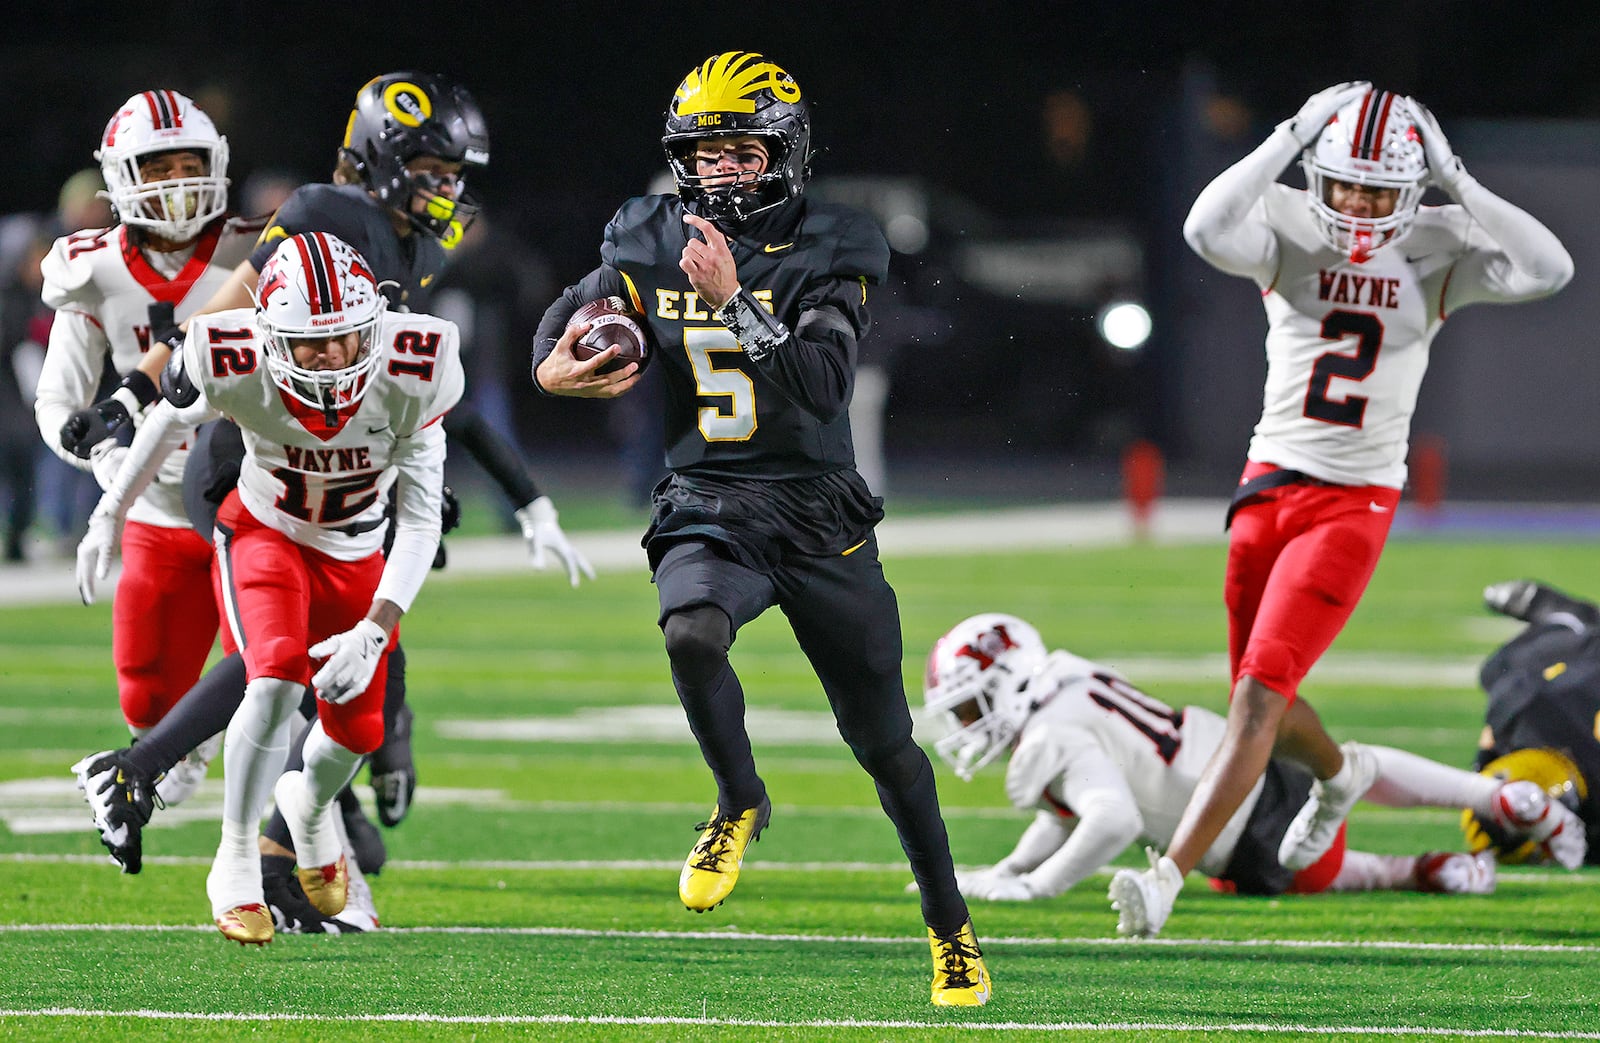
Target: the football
pixel 614 323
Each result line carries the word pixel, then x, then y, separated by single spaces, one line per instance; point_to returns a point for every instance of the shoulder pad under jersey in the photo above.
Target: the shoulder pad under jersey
pixel 68 268
pixel 860 249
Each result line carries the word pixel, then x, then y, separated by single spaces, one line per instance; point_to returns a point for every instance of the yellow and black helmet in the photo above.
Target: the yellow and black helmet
pixel 1548 768
pixel 735 94
pixel 402 115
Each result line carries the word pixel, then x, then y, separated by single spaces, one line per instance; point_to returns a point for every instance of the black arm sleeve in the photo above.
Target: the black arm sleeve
pixel 466 426
pixel 814 367
pixel 604 281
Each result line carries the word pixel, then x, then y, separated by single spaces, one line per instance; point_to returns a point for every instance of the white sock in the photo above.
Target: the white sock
pixel 328 767
pixel 1408 781
pixel 256 749
pixel 1368 872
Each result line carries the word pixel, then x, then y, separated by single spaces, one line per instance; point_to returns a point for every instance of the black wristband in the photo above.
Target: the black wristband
pixel 144 389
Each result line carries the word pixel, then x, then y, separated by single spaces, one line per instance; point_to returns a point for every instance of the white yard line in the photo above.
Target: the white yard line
pixel 964 1026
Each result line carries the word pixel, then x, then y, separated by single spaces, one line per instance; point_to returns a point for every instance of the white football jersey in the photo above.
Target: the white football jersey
pixel 1094 732
pixel 1347 343
pixel 326 488
pixel 101 286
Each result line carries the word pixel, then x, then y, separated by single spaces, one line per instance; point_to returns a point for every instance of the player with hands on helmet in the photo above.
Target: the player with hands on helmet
pixel 338 399
pixel 1351 317
pixel 113 289
pixel 1103 765
pixel 757 297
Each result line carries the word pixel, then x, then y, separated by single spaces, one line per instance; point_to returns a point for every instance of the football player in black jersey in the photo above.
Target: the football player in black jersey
pixel 399 198
pixel 755 297
pixel 1542 721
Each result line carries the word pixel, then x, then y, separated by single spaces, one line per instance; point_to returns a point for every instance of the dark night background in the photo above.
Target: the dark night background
pixel 959 99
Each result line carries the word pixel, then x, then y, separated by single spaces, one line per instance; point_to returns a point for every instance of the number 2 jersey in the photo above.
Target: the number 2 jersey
pixel 324 485
pixel 101 285
pixel 1099 746
pixel 1348 343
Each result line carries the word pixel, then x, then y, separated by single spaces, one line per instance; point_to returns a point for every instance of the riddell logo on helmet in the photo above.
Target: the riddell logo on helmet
pixel 326 320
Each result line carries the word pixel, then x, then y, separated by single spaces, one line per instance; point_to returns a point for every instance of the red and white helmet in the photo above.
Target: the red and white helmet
pixel 987 661
pixel 1371 141
pixel 315 285
pixel 164 121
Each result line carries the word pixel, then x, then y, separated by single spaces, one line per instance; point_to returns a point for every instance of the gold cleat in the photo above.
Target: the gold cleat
pixel 247 924
pixel 713 866
pixel 960 977
pixel 326 886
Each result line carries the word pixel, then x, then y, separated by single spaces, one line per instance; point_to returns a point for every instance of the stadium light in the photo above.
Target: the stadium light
pixel 1124 325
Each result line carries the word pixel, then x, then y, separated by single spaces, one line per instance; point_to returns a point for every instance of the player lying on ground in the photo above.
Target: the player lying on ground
pixel 1103 765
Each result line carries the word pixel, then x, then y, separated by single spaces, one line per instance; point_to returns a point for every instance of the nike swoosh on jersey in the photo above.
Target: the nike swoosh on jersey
pixel 776 248
pixel 1376 508
pixel 377 430
pixel 426 279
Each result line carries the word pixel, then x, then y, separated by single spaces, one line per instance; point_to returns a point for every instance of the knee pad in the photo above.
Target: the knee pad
pixel 1275 665
pixel 358 732
pixel 697 642
pixel 893 766
pixel 279 657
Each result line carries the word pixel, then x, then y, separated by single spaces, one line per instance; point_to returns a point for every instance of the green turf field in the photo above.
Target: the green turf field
pixel 531 894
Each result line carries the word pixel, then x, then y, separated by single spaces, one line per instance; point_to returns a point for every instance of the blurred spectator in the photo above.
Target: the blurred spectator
pixel 22 246
pixel 265 190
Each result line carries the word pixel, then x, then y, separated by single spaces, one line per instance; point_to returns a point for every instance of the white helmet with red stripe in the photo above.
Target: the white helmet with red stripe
pixel 1371 141
pixel 977 680
pixel 154 122
pixel 316 286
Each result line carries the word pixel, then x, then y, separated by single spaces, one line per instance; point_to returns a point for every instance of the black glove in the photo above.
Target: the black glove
pixel 87 428
pixel 164 328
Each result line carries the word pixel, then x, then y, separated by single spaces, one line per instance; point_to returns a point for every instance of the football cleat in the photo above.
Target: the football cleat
pixel 237 904
pixel 122 798
pixel 1143 901
pixel 1313 830
pixel 1524 808
pixel 1455 873
pixel 319 855
pixel 246 924
pixel 713 865
pixel 1533 602
pixel 394 773
pixel 960 977
pixel 293 913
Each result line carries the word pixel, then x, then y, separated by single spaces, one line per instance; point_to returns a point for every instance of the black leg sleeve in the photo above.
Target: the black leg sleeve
pixel 203 711
pixel 713 700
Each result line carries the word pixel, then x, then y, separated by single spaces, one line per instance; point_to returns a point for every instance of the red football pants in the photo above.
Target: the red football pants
pixel 279 598
pixel 1299 559
pixel 163 619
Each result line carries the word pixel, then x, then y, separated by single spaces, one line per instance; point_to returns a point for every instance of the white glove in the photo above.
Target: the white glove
pixel 352 660
pixel 94 552
pixel 539 528
pixel 1322 107
pixel 995 885
pixel 1444 166
pixel 106 459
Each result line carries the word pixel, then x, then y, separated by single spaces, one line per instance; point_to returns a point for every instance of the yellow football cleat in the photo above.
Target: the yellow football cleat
pixel 713 866
pixel 247 924
pixel 326 886
pixel 960 977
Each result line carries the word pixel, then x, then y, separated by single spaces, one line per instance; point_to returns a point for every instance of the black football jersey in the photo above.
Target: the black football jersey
pixel 411 262
pixel 726 414
pixel 1544 690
